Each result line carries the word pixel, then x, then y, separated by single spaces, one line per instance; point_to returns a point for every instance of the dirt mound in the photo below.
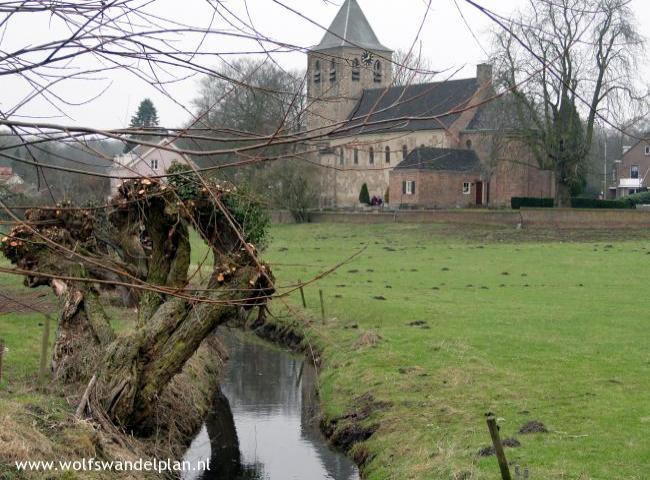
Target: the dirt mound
pixel 508 442
pixel 533 427
pixel 367 339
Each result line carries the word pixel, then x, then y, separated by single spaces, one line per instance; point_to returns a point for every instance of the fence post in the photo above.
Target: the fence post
pixel 498 447
pixel 2 352
pixel 302 295
pixel 322 305
pixel 45 342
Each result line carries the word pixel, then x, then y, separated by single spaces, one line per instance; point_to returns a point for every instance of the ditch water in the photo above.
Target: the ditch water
pixel 263 426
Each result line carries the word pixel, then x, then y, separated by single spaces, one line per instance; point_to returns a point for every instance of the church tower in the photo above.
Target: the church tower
pixel 348 60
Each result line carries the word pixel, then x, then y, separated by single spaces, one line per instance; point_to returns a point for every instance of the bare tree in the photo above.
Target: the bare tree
pixel 411 67
pixel 569 63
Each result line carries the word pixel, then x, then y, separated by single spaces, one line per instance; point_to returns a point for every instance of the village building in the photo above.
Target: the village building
pixel 11 181
pixel 146 161
pixel 631 174
pixel 432 145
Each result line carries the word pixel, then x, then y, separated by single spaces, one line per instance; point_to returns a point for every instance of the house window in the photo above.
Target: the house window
pixel 377 73
pixel 154 163
pixel 371 156
pixel 317 71
pixel 332 71
pixel 356 70
pixel 356 156
pixel 405 151
pixel 387 154
pixel 467 188
pixel 647 150
pixel 634 171
pixel 408 187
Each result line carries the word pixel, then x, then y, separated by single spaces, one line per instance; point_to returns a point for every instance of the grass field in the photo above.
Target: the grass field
pixel 544 327
pixel 528 327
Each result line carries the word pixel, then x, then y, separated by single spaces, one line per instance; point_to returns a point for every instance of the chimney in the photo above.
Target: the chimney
pixel 484 73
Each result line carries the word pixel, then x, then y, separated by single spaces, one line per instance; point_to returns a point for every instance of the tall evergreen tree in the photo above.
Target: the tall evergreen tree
pixel 145 117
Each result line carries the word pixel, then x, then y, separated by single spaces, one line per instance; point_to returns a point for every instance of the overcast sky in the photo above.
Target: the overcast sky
pixel 445 40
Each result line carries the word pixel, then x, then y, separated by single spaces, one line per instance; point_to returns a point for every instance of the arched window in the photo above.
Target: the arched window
pixel 317 71
pixel 469 144
pixel 377 72
pixel 387 154
pixel 356 70
pixel 371 156
pixel 356 156
pixel 405 151
pixel 341 156
pixel 332 71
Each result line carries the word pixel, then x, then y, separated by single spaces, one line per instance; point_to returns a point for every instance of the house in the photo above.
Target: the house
pixel 383 135
pixel 11 181
pixel 146 161
pixel 631 174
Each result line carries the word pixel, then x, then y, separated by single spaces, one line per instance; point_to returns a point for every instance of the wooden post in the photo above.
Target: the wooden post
pixel 322 305
pixel 45 343
pixel 498 448
pixel 302 295
pixel 2 352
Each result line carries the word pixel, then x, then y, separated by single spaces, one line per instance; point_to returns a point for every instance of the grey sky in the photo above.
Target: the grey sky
pixel 445 40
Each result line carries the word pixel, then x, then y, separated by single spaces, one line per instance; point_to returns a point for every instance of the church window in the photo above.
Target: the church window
pixel 317 71
pixel 341 157
pixel 469 144
pixel 154 164
pixel 387 154
pixel 332 71
pixel 356 70
pixel 405 151
pixel 377 72
pixel 356 156
pixel 467 188
pixel 371 156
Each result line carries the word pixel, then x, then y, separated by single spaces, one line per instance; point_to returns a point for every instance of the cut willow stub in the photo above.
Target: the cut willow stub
pixel 141 245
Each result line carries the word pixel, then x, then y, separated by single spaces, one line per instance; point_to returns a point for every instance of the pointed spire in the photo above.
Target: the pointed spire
pixel 351 28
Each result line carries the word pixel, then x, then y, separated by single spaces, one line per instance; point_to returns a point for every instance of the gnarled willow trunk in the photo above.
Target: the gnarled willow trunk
pixel 142 245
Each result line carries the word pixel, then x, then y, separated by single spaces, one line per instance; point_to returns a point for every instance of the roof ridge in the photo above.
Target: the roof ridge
pixel 441 82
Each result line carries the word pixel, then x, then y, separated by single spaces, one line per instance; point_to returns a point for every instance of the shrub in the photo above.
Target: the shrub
pixel 596 203
pixel 364 195
pixel 532 202
pixel 642 198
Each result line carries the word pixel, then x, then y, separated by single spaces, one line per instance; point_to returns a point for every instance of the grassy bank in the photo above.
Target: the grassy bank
pixel 35 423
pixel 446 325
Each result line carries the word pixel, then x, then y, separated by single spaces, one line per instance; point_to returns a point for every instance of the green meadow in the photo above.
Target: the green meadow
pixel 441 325
pixel 545 327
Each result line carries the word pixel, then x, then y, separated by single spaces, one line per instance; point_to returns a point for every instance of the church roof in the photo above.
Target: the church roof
pixel 424 106
pixel 450 159
pixel 350 28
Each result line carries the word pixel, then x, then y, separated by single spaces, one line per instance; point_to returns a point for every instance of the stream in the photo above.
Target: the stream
pixel 264 425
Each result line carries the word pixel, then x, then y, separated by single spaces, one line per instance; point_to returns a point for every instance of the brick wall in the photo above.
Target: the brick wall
pixel 433 189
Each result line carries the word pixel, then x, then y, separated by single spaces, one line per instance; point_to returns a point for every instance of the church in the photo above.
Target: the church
pixel 443 144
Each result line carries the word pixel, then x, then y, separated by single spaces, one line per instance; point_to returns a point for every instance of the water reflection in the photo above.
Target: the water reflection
pixel 263 424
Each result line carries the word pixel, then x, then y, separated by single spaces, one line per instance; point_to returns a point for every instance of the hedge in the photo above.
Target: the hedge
pixel 642 198
pixel 536 202
pixel 532 202
pixel 596 203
